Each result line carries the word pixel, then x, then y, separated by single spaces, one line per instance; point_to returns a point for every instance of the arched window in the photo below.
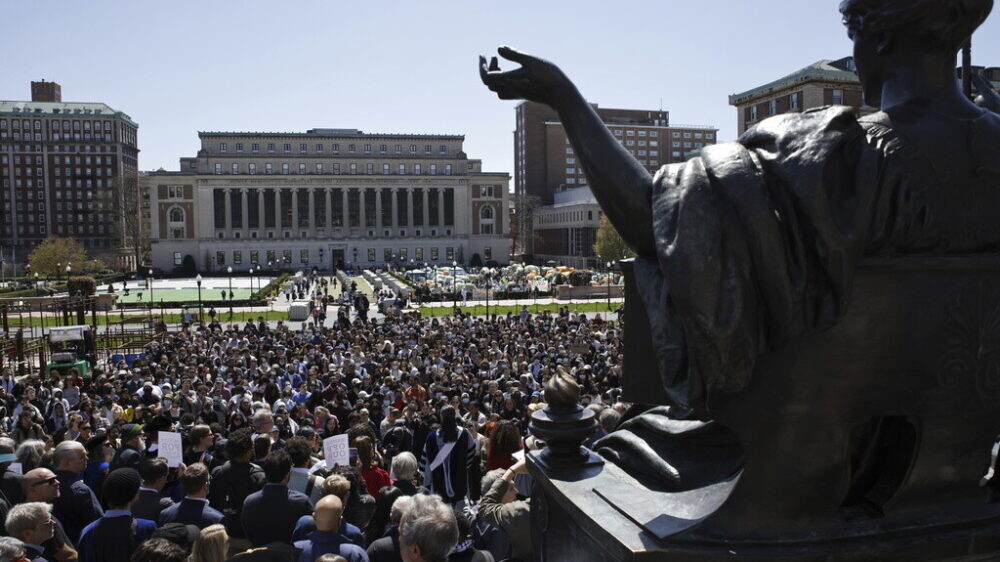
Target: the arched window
pixel 176 227
pixel 486 220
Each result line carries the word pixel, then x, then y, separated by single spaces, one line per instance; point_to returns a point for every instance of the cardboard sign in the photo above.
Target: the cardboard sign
pixel 170 448
pixel 336 452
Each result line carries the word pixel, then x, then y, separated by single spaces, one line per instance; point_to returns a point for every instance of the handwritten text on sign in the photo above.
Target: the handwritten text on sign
pixel 170 448
pixel 336 452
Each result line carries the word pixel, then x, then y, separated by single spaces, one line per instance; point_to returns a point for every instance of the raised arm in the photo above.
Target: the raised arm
pixel 619 182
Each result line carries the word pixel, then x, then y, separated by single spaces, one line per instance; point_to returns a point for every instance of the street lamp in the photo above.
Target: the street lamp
pixel 230 271
pixel 610 265
pixel 454 284
pixel 197 281
pixel 149 285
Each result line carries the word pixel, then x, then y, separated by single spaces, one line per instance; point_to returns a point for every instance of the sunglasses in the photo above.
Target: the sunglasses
pixel 48 481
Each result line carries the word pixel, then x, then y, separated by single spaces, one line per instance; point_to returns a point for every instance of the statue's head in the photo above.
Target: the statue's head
pixel 877 27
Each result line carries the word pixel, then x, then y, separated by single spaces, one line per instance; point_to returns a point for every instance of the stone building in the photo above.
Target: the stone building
pixel 66 169
pixel 327 198
pixel 544 162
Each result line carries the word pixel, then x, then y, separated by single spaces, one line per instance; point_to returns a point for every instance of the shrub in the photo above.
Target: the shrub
pixel 82 286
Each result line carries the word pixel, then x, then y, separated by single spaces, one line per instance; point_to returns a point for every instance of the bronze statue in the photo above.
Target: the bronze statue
pixel 763 332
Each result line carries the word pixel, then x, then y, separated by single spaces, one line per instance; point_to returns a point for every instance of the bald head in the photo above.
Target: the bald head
pixel 40 485
pixel 327 514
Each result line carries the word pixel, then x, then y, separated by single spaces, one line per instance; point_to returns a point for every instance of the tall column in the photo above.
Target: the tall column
pixel 345 211
pixel 277 210
pixel 441 207
pixel 395 209
pixel 260 211
pixel 295 209
pixel 329 208
pixel 378 210
pixel 244 205
pixel 362 218
pixel 409 207
pixel 312 211
pixel 426 208
pixel 229 211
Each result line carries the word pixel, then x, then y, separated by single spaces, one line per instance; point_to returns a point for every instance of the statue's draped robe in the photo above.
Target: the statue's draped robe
pixel 757 242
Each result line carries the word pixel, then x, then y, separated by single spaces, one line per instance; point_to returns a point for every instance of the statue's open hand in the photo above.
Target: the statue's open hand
pixel 537 80
pixel 988 96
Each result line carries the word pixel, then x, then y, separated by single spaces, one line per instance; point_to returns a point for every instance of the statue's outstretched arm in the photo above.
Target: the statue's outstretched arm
pixel 619 182
pixel 988 96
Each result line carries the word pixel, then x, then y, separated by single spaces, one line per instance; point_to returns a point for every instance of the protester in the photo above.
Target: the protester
pixel 449 453
pixel 194 508
pixel 326 539
pixel 270 515
pixel 42 485
pixel 77 505
pixel 501 508
pixel 32 524
pixel 428 531
pixel 151 503
pixel 116 534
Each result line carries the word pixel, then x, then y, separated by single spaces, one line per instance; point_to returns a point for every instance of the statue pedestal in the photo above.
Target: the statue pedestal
pixel 600 513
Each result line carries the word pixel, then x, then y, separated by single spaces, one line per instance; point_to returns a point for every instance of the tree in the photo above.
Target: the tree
pixel 53 255
pixel 124 197
pixel 608 244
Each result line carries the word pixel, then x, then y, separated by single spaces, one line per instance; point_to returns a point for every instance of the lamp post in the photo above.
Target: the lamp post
pixel 454 284
pixel 149 285
pixel 197 281
pixel 230 271
pixel 610 265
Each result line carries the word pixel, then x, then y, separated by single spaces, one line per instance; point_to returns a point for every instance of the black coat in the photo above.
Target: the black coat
pixel 270 515
pixel 231 484
pixel 149 504
pixel 191 512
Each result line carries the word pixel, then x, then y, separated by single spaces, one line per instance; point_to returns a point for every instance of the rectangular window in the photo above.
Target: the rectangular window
pixel 319 168
pixel 178 258
pixel 252 168
pixel 302 147
pixel 336 208
pixel 370 169
pixel 772 108
pixel 270 147
pixel 488 253
pixel 449 207
pixel 385 169
pixel 434 254
pixel 354 169
pixel 271 258
pixel 447 169
pixel 418 254
pixel 286 256
pixel 434 169
pixel 219 207
pixel 793 101
pixel 302 168
pixel 416 169
pixel 418 207
pixel 371 254
pixel 234 168
pixel 253 208
pixel 218 168
pixel 222 147
pixel 432 207
pixel 254 257
pixel 237 257
pixel 285 195
pixel 449 253
pixel 239 147
pixel 304 256
pixel 284 169
pixel 220 258
pixel 386 210
pixel 354 208
pixel 255 147
pixel 387 255
pixel 267 168
pixel 838 97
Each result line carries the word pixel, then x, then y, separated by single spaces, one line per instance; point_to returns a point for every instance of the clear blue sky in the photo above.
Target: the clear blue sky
pixel 178 67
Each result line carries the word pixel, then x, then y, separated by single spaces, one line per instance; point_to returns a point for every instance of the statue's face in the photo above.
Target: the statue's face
pixel 870 63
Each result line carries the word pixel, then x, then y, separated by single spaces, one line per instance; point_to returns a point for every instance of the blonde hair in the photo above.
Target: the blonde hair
pixel 211 545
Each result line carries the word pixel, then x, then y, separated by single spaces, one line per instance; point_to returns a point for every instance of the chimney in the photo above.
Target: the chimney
pixel 46 91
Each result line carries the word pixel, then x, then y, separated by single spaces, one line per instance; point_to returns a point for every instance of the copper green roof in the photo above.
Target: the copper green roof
pixel 840 70
pixel 62 109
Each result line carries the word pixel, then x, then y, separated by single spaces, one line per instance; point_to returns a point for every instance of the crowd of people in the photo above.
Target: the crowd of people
pixel 435 410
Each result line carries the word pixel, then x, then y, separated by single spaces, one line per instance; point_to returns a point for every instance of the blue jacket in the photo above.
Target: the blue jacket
pixel 307 525
pixel 320 543
pixel 76 505
pixel 191 512
pixel 270 515
pixel 143 530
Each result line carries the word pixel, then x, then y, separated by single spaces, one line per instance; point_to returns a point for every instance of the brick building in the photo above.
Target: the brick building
pixel 544 165
pixel 327 198
pixel 65 168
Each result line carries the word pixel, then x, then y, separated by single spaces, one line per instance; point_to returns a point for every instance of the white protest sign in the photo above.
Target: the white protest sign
pixel 170 448
pixel 335 451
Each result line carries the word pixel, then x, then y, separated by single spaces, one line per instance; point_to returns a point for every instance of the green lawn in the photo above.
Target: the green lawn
pixel 181 295
pixel 480 309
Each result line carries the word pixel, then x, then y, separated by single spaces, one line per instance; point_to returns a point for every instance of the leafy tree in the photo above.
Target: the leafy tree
pixel 608 244
pixel 81 286
pixel 53 255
